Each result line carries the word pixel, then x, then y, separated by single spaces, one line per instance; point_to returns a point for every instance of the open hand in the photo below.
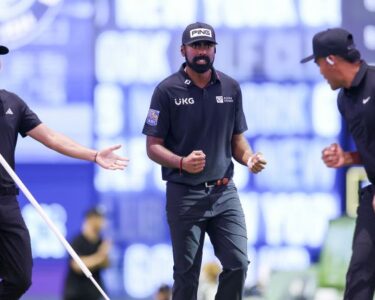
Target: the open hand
pixel 107 159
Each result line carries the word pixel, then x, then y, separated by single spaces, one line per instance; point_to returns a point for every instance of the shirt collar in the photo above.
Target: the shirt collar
pixel 360 74
pixel 214 75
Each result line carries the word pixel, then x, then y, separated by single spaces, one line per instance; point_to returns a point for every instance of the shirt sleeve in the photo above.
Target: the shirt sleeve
pixel 28 119
pixel 240 124
pixel 157 121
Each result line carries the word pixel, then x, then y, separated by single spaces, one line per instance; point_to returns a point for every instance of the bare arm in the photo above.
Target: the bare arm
pixel 243 154
pixel 241 149
pixel 352 158
pixel 156 151
pixel 106 158
pixel 335 157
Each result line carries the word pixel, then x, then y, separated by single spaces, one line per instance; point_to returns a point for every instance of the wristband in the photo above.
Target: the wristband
pixel 250 163
pixel 182 158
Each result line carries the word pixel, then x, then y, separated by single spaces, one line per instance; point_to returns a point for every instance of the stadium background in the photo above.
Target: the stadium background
pixel 88 68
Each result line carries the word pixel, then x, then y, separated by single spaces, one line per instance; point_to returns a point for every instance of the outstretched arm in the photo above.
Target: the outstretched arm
pixel 106 158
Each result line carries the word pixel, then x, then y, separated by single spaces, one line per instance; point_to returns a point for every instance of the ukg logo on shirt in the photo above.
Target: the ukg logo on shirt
pixel 184 101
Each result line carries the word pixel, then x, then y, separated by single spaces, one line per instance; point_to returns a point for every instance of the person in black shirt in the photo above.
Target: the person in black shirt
pixel 340 64
pixel 15 249
pixel 94 252
pixel 194 127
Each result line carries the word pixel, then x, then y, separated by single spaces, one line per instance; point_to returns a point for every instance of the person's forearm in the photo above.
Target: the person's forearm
pixel 92 262
pixel 67 146
pixel 352 158
pixel 161 155
pixel 61 143
pixel 106 263
pixel 242 155
pixel 241 149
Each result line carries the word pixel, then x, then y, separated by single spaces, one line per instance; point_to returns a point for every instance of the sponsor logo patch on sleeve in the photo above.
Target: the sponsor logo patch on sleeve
pixel 152 117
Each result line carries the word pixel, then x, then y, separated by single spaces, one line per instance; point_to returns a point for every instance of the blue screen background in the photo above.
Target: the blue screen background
pixel 88 69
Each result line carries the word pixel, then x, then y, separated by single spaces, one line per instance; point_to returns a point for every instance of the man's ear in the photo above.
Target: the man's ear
pixel 183 50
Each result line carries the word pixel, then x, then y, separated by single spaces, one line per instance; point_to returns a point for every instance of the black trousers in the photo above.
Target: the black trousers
pixel 194 211
pixel 360 278
pixel 15 250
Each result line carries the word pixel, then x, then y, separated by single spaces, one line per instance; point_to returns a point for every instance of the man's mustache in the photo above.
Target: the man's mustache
pixel 203 57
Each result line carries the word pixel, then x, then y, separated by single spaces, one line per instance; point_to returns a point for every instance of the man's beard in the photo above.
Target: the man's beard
pixel 200 68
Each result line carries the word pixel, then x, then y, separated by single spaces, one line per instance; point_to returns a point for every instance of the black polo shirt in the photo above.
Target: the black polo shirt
pixel 15 117
pixel 357 105
pixel 190 118
pixel 77 285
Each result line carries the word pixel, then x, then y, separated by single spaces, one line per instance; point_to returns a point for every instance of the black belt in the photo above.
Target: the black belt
pixel 7 191
pixel 213 183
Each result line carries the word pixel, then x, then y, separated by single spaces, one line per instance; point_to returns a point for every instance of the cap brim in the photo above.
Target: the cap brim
pixel 200 40
pixel 306 59
pixel 3 50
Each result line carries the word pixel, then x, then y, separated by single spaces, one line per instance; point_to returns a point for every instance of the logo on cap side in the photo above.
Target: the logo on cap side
pixel 200 32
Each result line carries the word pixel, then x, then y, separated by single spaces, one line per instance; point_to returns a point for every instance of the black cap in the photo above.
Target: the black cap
pixel 334 41
pixel 197 32
pixel 3 50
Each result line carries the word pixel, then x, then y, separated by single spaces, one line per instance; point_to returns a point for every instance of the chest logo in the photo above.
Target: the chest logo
pixel 224 99
pixel 9 112
pixel 184 101
pixel 364 101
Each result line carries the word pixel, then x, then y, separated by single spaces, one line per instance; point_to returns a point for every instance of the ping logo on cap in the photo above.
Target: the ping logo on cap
pixel 200 32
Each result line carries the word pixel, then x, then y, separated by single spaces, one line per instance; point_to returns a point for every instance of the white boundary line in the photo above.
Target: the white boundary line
pixel 51 225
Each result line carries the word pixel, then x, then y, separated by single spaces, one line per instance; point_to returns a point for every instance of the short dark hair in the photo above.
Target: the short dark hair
pixel 352 56
pixel 94 212
pixel 164 288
